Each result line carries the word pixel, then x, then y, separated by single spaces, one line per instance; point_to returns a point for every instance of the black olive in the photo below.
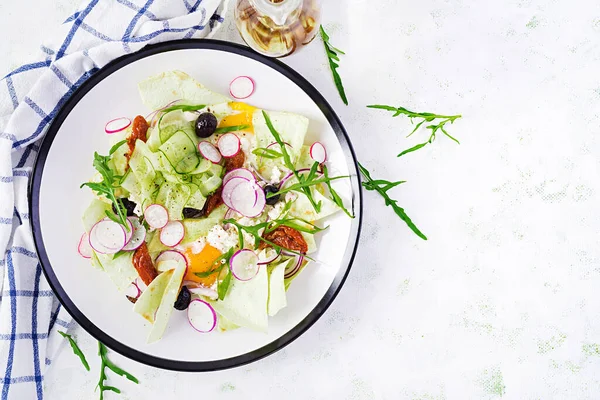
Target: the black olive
pixel 272 189
pixel 189 212
pixel 183 300
pixel 206 125
pixel 129 206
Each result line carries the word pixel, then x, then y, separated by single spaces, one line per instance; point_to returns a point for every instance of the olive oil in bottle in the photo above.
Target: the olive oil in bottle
pixel 277 28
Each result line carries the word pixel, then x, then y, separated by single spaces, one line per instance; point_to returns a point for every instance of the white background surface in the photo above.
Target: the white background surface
pixel 503 299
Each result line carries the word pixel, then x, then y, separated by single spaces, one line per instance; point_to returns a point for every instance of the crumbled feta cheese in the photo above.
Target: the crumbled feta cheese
pixel 275 175
pixel 275 212
pixel 222 239
pixel 198 245
pixel 290 196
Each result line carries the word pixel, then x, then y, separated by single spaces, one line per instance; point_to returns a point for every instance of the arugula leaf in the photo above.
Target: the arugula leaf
pixel 106 363
pixel 107 188
pixel 267 153
pixel 217 265
pixel 116 147
pixel 182 107
pixel 334 59
pixel 335 197
pixel 224 285
pixel 289 164
pixel 232 128
pixel 425 117
pixel 76 350
pixel 382 186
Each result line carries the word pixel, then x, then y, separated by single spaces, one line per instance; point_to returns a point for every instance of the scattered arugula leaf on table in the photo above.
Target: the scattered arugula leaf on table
pixel 382 186
pixel 76 350
pixel 425 117
pixel 334 59
pixel 106 363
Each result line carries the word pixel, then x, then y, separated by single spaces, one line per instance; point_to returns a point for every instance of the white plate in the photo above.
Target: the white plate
pixel 65 161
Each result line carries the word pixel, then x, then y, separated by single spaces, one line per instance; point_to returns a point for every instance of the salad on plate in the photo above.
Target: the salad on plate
pixel 207 204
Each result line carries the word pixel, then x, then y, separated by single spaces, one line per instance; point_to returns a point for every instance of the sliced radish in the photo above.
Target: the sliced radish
pixel 171 255
pixel 201 316
pixel 248 199
pixel 318 152
pixel 140 283
pixel 133 291
pixel 117 125
pixel 204 291
pixel 210 152
pixel 244 265
pixel 293 269
pixel 138 235
pixel 230 187
pixel 239 172
pixel 107 237
pixel 156 216
pixel 128 232
pixel 229 145
pixel 267 256
pixel 84 248
pixel 172 234
pixel 241 87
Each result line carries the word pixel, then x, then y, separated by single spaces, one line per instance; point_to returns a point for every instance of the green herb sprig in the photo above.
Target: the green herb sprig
pixel 234 128
pixel 425 117
pixel 334 59
pixel 76 350
pixel 106 363
pixel 216 267
pixel 263 152
pixel 290 165
pixel 382 186
pixel 107 186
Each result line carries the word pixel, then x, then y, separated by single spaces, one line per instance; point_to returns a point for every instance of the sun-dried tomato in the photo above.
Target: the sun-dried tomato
pixel 235 162
pixel 286 237
pixel 142 262
pixel 139 130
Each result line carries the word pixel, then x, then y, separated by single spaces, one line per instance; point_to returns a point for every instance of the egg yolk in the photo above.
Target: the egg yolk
pixel 202 262
pixel 243 117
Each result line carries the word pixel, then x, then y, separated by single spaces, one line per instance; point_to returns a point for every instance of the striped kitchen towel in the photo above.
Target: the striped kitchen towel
pixel 30 97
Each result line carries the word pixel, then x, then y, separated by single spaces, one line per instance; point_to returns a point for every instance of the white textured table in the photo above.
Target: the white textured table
pixel 503 300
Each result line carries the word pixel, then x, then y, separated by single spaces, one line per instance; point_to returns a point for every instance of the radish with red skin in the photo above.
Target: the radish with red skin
pixel 248 199
pixel 244 265
pixel 230 187
pixel 172 255
pixel 128 232
pixel 241 87
pixel 138 234
pixel 238 172
pixel 172 234
pixel 229 145
pixel 133 291
pixel 210 152
pixel 156 216
pixel 84 248
pixel 107 237
pixel 265 258
pixel 201 316
pixel 318 152
pixel 117 125
pixel 290 272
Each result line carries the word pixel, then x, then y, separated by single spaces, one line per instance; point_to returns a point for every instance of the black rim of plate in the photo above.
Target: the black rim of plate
pixel 197 366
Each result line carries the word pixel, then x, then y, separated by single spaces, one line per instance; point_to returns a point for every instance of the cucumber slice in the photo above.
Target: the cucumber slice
pixel 180 152
pixel 173 196
pixel 196 199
